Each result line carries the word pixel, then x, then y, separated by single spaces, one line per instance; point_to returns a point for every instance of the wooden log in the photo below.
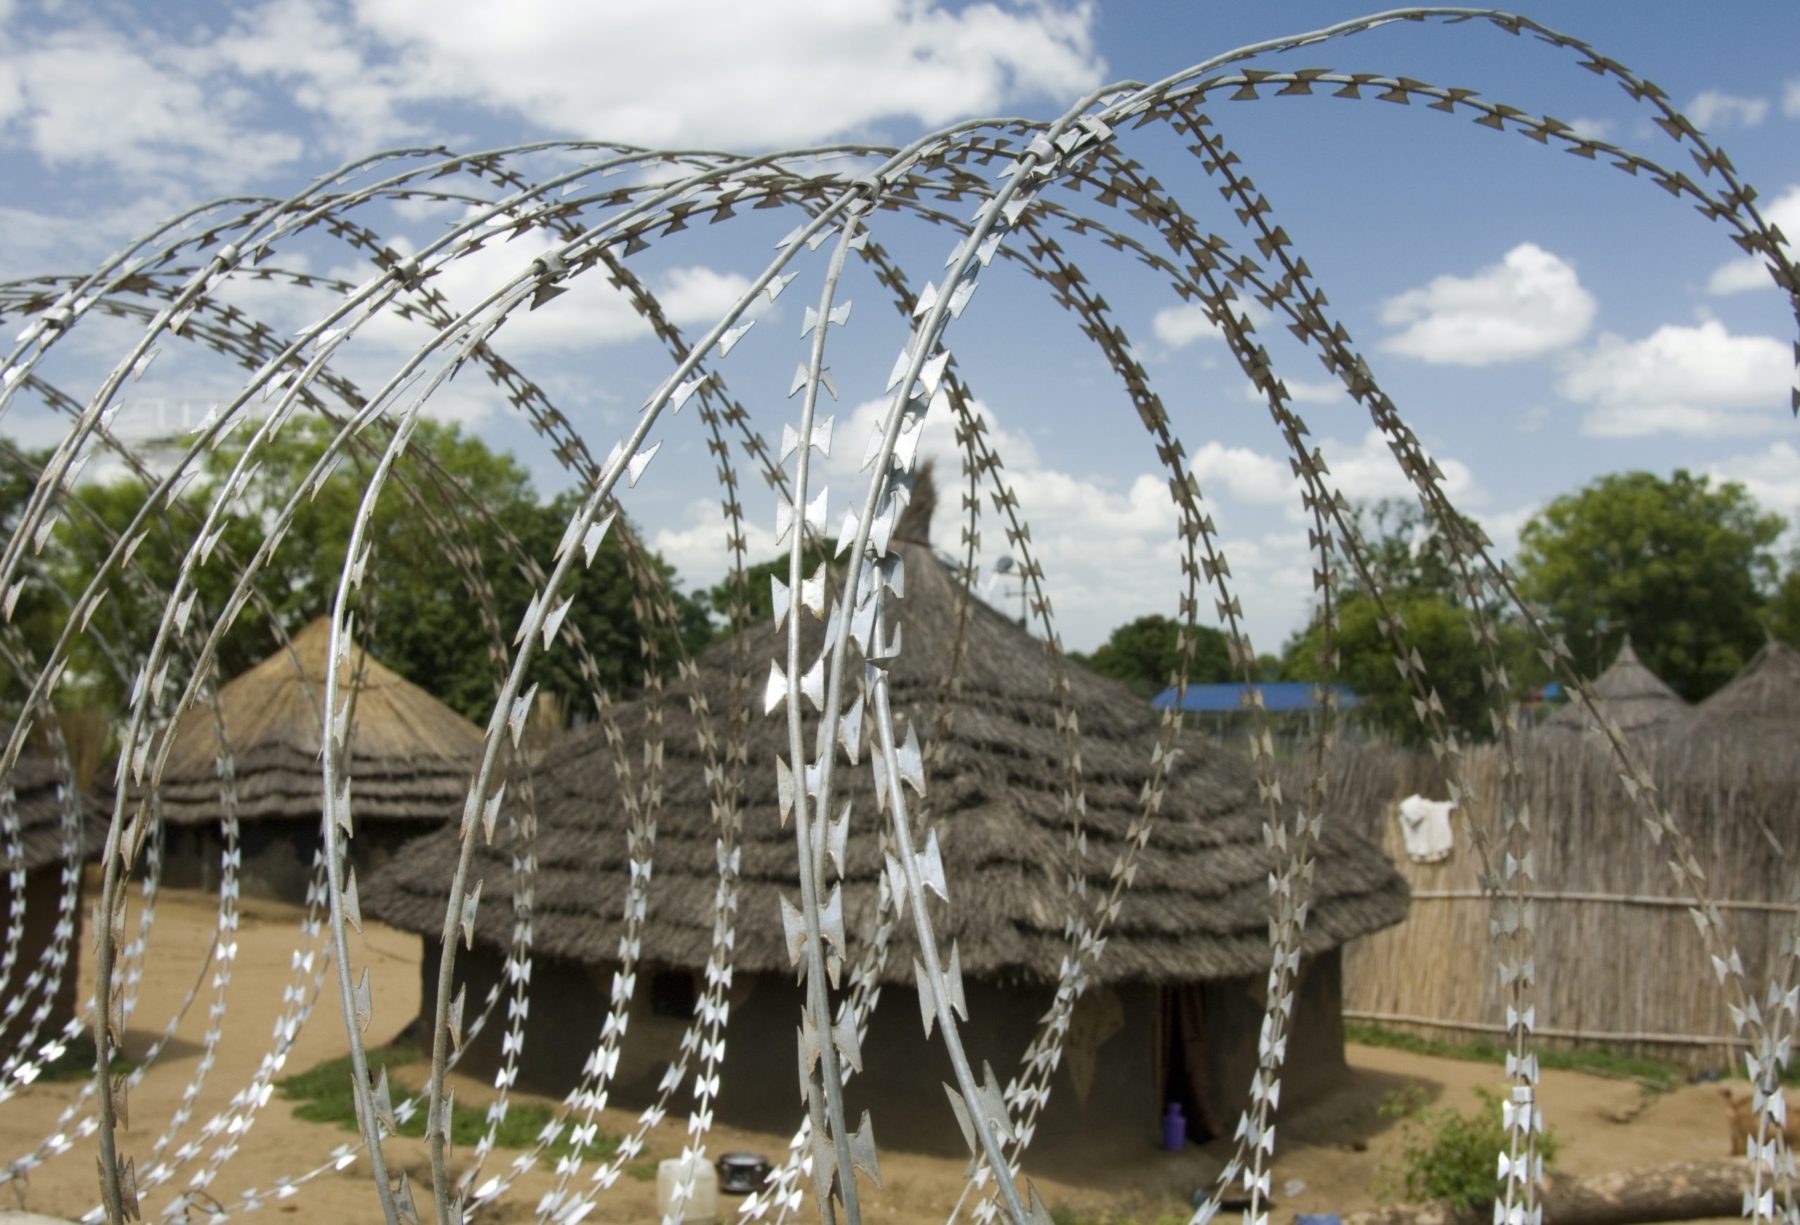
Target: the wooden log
pixel 1679 1191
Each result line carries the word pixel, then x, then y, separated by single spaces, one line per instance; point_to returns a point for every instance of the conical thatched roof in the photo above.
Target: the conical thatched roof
pixel 1198 909
pixel 411 753
pixel 39 794
pixel 1766 692
pixel 1634 696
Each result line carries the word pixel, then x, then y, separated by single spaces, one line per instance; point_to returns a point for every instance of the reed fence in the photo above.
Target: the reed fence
pixel 1619 961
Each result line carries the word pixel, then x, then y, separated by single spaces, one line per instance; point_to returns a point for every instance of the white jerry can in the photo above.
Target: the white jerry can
pixel 702 1204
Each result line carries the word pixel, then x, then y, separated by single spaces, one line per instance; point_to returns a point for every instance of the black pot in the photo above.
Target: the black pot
pixel 741 1173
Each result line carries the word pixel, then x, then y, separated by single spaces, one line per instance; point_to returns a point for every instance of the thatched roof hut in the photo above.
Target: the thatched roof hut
pixel 411 752
pixel 1198 911
pixel 1631 693
pixel 411 757
pixel 1766 694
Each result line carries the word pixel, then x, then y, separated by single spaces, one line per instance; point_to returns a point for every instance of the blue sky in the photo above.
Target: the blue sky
pixel 1540 319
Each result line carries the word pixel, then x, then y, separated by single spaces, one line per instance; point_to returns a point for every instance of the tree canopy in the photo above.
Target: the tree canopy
pixel 1417 583
pixel 1682 565
pixel 1144 654
pixel 418 616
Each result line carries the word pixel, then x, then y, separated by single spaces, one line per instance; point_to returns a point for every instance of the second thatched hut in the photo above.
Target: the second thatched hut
pixel 1175 1009
pixel 1636 698
pixel 411 758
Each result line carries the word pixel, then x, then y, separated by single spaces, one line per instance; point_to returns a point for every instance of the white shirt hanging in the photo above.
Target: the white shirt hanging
pixel 1425 825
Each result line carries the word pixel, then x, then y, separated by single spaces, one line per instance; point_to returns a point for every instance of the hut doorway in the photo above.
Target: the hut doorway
pixel 1182 1075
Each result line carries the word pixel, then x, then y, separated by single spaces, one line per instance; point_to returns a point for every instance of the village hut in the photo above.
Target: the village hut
pixel 1638 700
pixel 1764 697
pixel 411 760
pixel 1175 1008
pixel 42 799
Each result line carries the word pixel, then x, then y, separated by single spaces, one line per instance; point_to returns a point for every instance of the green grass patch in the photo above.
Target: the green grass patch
pixel 77 1062
pixel 1651 1073
pixel 322 1094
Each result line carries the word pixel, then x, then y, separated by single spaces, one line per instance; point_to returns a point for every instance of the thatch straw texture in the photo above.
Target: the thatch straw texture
pixel 1198 909
pixel 411 754
pixel 1634 696
pixel 37 790
pixel 1617 953
pixel 1764 698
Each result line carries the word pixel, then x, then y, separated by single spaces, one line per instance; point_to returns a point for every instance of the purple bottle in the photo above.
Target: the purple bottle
pixel 1174 1128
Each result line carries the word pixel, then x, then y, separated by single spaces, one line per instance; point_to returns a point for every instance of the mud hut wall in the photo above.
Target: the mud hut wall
pixel 275 856
pixel 1113 1101
pixel 904 1073
pixel 43 896
pixel 1315 1054
pixel 1605 967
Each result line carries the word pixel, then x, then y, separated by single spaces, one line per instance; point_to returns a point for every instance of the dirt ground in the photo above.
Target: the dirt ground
pixel 1326 1156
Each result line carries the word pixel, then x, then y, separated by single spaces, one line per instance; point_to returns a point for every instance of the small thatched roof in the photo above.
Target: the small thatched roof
pixel 40 797
pixel 1634 696
pixel 1766 693
pixel 411 754
pixel 1198 909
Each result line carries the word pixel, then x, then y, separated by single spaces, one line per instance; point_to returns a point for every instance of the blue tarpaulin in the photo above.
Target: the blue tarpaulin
pixel 1276 696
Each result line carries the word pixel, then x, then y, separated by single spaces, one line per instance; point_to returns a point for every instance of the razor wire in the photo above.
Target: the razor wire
pixel 1039 165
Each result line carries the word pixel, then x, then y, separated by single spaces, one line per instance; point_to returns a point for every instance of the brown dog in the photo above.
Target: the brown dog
pixel 1743 1122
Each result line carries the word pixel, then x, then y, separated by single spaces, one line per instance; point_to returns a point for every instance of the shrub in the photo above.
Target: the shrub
pixel 1449 1156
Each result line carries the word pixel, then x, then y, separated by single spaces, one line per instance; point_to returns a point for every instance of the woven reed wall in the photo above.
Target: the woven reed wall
pixel 1625 969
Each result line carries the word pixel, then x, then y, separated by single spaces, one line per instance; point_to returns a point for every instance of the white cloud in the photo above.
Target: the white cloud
pixel 701 296
pixel 1180 326
pixel 1503 528
pixel 326 66
pixel 1529 304
pixel 217 107
pixel 1108 546
pixel 1303 391
pixel 1683 380
pixel 1768 474
pixel 709 72
pixel 591 312
pixel 1750 271
pixel 89 96
pixel 697 547
pixel 1246 475
pixel 1714 110
pixel 1366 471
pixel 1592 129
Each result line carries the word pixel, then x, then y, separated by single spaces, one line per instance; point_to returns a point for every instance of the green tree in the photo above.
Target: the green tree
pixel 1681 565
pixel 1414 578
pixel 418 614
pixel 1404 553
pixel 1782 613
pixel 1441 632
pixel 1144 654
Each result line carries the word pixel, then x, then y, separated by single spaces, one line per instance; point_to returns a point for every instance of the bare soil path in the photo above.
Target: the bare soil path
pixel 1326 1161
